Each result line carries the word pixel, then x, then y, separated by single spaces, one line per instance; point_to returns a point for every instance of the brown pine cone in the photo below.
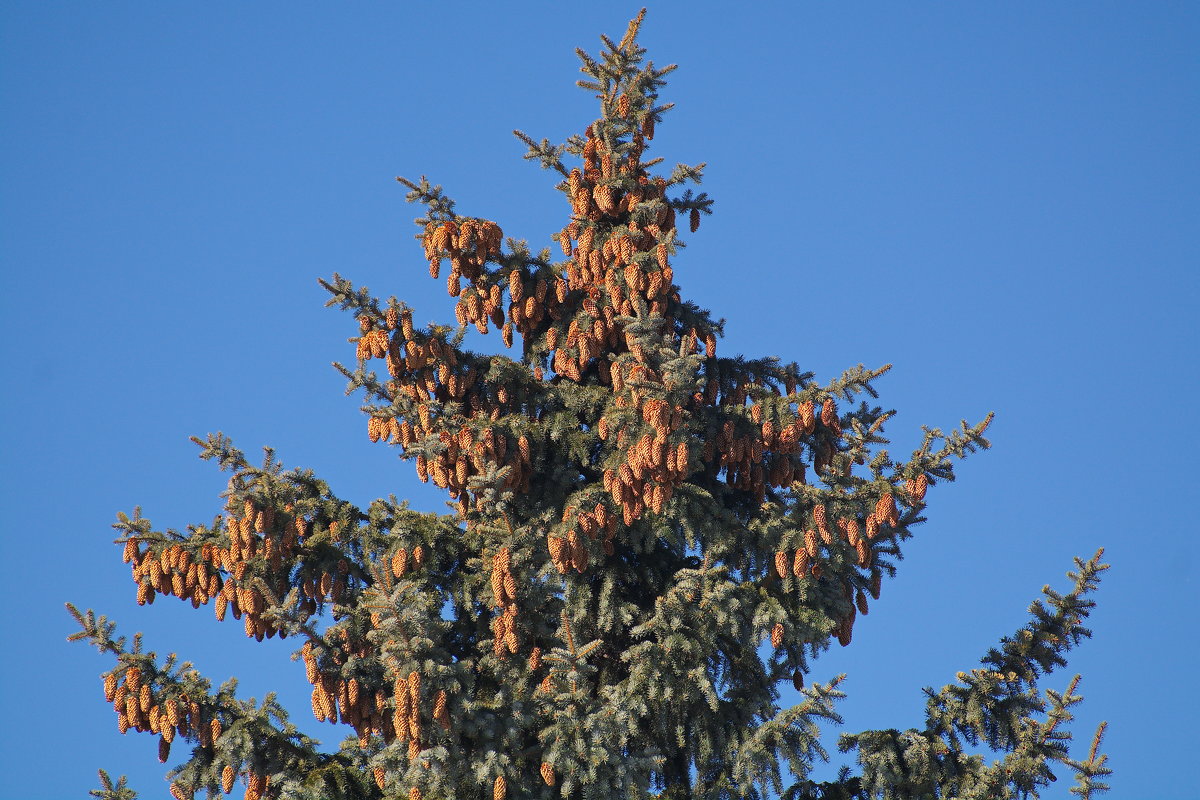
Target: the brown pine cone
pixel 800 563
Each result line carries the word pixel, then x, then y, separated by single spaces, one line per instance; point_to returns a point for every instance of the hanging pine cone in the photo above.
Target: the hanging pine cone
pixel 916 488
pixel 400 562
pixel 829 413
pixel 500 788
pixel 781 563
pixel 810 543
pixel 885 510
pixel 800 563
pixel 820 517
pixel 548 774
pixel 865 553
pixel 808 416
pixel 557 545
pixel 777 635
pixel 441 711
pixel 852 535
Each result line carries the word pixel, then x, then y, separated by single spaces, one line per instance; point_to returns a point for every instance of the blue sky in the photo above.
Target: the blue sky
pixel 999 199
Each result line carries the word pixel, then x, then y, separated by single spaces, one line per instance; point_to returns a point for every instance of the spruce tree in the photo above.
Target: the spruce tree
pixel 634 519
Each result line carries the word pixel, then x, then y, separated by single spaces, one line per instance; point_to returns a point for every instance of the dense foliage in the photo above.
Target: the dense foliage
pixel 634 517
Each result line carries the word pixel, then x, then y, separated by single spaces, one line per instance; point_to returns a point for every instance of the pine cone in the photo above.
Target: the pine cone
pixel 256 785
pixel 400 562
pixel 829 413
pixel 318 707
pixel 777 635
pixel 865 553
pixel 510 638
pixel 885 509
pixel 872 527
pixel 228 774
pixel 852 534
pixel 440 712
pixel 810 543
pixel 808 416
pixel 860 600
pixel 500 788
pixel 800 563
pixel 548 774
pixel 917 487
pixel 820 517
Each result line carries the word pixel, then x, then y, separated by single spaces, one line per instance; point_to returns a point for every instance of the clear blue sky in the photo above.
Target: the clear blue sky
pixel 1000 199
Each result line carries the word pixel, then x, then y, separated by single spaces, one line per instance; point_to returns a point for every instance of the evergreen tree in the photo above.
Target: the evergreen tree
pixel 633 517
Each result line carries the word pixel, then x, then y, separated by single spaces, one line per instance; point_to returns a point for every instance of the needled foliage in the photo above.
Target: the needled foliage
pixel 633 516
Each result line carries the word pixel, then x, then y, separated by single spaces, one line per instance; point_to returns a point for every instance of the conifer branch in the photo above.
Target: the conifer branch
pixel 439 208
pixel 175 701
pixel 1089 773
pixel 548 155
pixel 998 706
pixel 111 791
